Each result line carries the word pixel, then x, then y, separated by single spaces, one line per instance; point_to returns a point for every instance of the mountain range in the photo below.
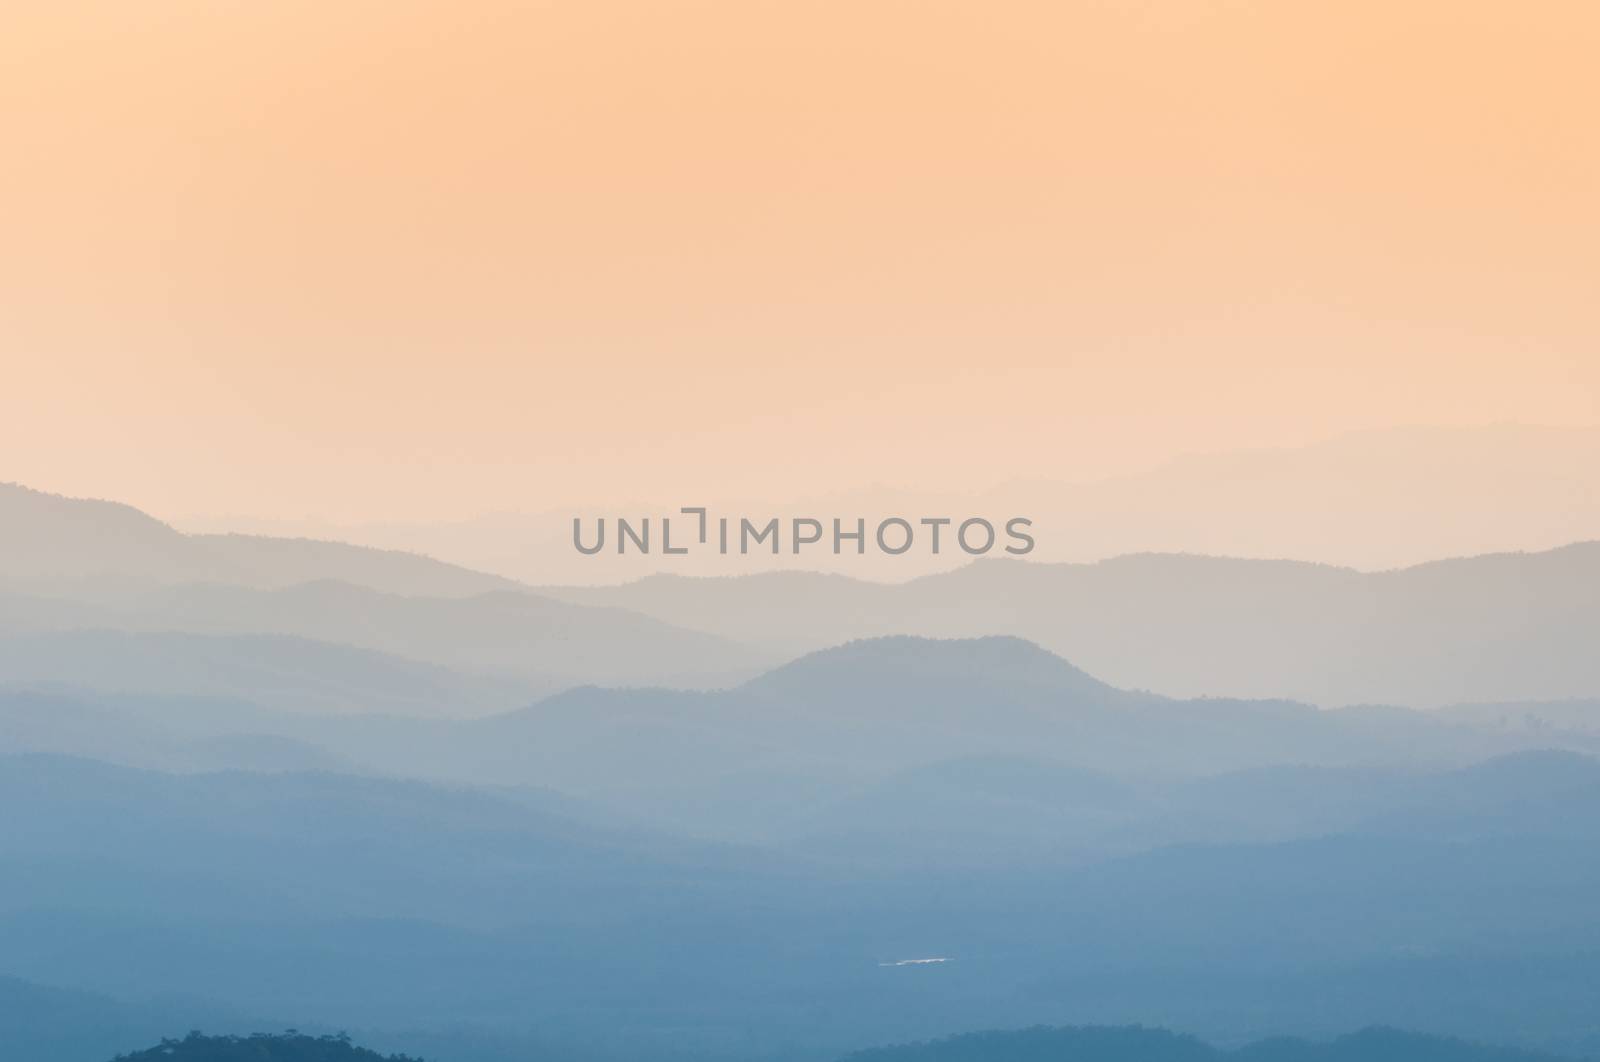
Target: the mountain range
pixel 70 566
pixel 1158 1045
pixel 786 815
pixel 45 538
pixel 1497 627
pixel 1371 500
pixel 390 904
pixel 1493 628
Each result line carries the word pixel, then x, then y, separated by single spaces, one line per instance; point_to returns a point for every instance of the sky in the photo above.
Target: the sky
pixel 410 261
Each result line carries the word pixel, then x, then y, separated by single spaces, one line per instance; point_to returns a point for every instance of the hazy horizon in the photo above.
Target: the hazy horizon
pixel 1373 500
pixel 413 262
pixel 1376 500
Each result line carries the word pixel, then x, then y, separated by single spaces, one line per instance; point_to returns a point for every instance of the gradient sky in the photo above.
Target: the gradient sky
pixel 414 260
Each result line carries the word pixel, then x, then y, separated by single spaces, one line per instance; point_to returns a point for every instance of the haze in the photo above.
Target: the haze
pixel 415 262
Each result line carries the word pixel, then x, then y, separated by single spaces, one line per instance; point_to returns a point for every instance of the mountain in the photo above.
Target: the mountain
pixel 1139 1044
pixel 1373 500
pixel 1134 1043
pixel 506 645
pixel 1370 500
pixel 883 752
pixel 763 758
pixel 47 539
pixel 164 733
pixel 901 669
pixel 1490 628
pixel 1574 715
pixel 1507 627
pixel 852 741
pixel 50 722
pixel 77 571
pixel 272 670
pixel 979 811
pixel 321 845
pixel 40 1023
pixel 260 1047
pixel 390 905
pixel 504 633
pixel 969 812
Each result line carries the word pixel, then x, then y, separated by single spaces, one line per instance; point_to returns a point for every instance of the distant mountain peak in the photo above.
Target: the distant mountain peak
pixel 912 662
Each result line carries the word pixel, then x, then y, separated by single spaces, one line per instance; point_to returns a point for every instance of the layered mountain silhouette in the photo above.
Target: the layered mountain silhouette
pixel 1493 628
pixel 519 638
pixel 785 816
pixel 375 903
pixel 898 722
pixel 1370 500
pixel 859 713
pixel 322 845
pixel 69 566
pixel 270 670
pixel 41 1023
pixel 46 538
pixel 1496 627
pixel 1099 1044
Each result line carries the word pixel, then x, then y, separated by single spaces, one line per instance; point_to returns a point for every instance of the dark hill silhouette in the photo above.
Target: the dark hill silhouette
pixel 260 1047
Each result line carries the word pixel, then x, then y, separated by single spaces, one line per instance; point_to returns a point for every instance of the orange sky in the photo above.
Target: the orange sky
pixel 410 260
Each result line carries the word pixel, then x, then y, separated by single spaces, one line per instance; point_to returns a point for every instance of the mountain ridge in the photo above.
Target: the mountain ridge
pixel 1147 1044
pixel 1496 627
pixel 45 536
